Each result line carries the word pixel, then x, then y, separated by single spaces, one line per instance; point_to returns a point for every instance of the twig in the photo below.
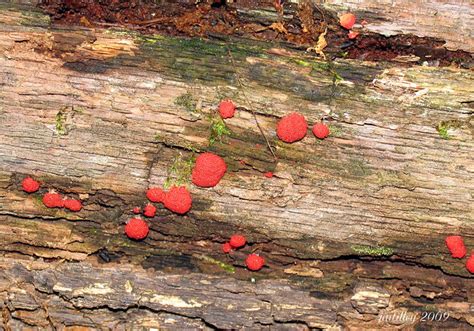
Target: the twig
pixel 250 105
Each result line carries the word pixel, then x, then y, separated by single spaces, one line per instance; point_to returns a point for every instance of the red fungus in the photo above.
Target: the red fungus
pixel 30 185
pixel 320 130
pixel 149 210
pixel 136 228
pixel 155 194
pixel 352 34
pixel 208 170
pixel 237 241
pixel 268 174
pixel 53 200
pixel 73 204
pixel 347 21
pixel 470 264
pixel 254 262
pixel 136 210
pixel 292 128
pixel 226 248
pixel 226 109
pixel 456 246
pixel 178 200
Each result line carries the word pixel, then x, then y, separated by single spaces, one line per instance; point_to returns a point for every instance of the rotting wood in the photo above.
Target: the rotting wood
pixel 366 209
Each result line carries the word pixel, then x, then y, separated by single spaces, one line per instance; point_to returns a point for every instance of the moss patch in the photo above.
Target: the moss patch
pixel 372 250
pixel 186 101
pixel 179 173
pixel 217 129
pixel 442 129
pixel 60 120
pixel 226 267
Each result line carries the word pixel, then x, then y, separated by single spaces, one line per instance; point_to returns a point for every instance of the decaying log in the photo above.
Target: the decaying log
pixel 352 227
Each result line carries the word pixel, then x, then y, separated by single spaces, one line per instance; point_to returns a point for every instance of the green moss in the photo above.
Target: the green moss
pixel 187 101
pixel 358 168
pixel 34 18
pixel 372 250
pixel 60 126
pixel 442 129
pixel 335 131
pixel 179 173
pixel 218 129
pixel 224 266
pixel 301 62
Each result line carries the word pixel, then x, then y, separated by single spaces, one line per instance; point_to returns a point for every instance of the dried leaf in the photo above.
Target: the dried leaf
pixel 320 45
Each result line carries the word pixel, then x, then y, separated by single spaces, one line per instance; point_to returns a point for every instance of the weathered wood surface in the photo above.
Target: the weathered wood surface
pixel 94 113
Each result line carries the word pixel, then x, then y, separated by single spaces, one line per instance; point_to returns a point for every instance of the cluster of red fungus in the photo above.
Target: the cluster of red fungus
pixel 347 21
pixel 254 262
pixel 51 199
pixel 458 250
pixel 207 172
pixel 293 127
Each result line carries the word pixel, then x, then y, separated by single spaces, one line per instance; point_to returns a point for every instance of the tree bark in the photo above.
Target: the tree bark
pixel 352 228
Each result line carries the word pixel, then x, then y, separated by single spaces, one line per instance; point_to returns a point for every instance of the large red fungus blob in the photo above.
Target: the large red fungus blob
pixel 178 200
pixel 226 248
pixel 347 21
pixel 470 264
pixel 149 210
pixel 320 130
pixel 254 262
pixel 226 109
pixel 237 241
pixel 136 228
pixel 456 246
pixel 292 128
pixel 155 194
pixel 73 204
pixel 208 170
pixel 53 200
pixel 30 185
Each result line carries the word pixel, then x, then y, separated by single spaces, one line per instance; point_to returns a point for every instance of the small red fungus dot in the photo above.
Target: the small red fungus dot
pixel 149 210
pixel 347 21
pixel 237 241
pixel 470 264
pixel 226 248
pixel 456 246
pixel 155 194
pixel 254 262
pixel 73 204
pixel 268 174
pixel 364 23
pixel 136 228
pixel 53 200
pixel 226 109
pixel 320 130
pixel 352 34
pixel 208 170
pixel 292 128
pixel 136 210
pixel 30 185
pixel 178 200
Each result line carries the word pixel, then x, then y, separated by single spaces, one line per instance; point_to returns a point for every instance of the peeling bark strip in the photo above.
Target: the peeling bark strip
pixel 352 228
